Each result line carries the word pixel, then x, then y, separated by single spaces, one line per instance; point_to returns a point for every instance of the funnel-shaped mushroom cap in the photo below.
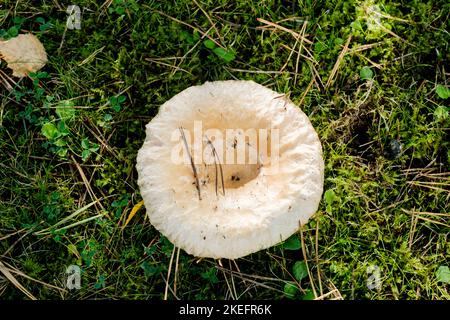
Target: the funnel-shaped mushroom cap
pixel 229 168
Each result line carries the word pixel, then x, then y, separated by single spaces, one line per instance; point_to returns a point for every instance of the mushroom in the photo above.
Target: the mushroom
pixel 24 54
pixel 229 168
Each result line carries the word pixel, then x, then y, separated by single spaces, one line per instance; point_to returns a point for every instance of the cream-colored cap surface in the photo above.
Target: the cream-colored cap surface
pixel 257 212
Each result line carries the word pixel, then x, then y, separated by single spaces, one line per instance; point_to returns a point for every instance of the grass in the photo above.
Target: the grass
pixel 365 72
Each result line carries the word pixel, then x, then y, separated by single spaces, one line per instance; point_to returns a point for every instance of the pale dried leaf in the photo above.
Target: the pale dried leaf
pixel 24 54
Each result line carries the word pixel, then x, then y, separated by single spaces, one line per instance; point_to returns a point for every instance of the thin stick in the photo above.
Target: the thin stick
pixel 176 272
pixel 189 51
pixel 338 62
pixel 69 217
pixel 292 50
pixel 259 71
pixel 302 32
pixel 322 296
pixel 217 160
pixel 168 273
pixel 194 169
pixel 242 276
pixel 317 257
pixel 12 234
pixel 232 280
pixel 14 281
pixel 87 184
pixel 412 229
pixel 433 221
pixel 213 25
pixel 290 54
pixel 306 259
pixel 228 284
pixel 427 213
pixel 364 47
pixel 306 92
pixel 20 273
pixel 277 26
pixel 376 65
pixel 188 25
pixel 175 68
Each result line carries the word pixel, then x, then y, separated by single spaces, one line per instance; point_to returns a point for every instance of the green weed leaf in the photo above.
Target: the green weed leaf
pixel 290 290
pixel 442 91
pixel 209 44
pixel 49 130
pixel 309 295
pixel 366 73
pixel 443 274
pixel 65 110
pixel 300 270
pixel 292 243
pixel 228 56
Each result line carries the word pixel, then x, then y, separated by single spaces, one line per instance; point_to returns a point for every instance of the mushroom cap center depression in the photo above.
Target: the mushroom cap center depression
pixel 233 157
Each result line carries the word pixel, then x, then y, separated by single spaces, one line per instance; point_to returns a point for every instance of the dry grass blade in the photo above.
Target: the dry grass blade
pixel 230 291
pixel 101 139
pixel 30 231
pixel 232 281
pixel 305 256
pixel 168 273
pixel 17 284
pixel 204 34
pixel 290 54
pixel 392 33
pixel 188 52
pixel 430 185
pixel 292 51
pixel 69 217
pixel 91 57
pixel 302 36
pixel 213 25
pixel 175 68
pixel 12 234
pixel 374 64
pixel 7 82
pixel 175 279
pixel 317 257
pixel 87 184
pixel 194 169
pixel 306 92
pixel 420 215
pixel 296 35
pixel 74 224
pixel 258 71
pixel 20 273
pixel 412 230
pixel 433 221
pixel 364 47
pixel 338 62
pixel 248 278
pixel 323 296
pixel 316 75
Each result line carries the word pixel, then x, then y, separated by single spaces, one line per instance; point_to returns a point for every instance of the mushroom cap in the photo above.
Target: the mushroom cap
pixel 258 211
pixel 24 54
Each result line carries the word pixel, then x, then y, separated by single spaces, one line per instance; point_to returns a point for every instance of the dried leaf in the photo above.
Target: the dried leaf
pixel 133 212
pixel 24 54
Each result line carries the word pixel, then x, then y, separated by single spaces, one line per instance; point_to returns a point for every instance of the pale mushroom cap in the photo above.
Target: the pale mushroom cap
pixel 24 54
pixel 255 213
